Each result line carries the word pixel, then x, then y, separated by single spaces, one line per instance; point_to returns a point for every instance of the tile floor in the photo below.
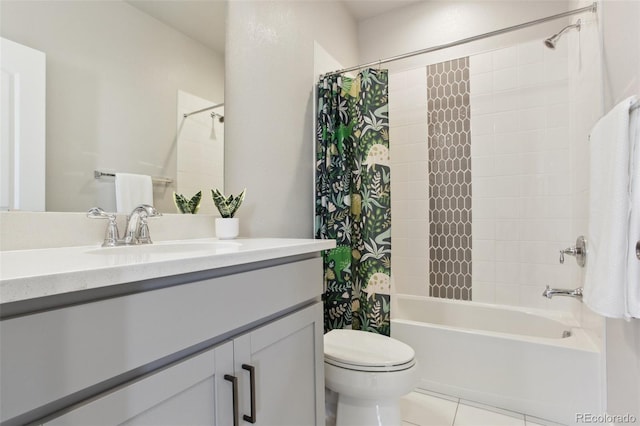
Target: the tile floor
pixel 423 408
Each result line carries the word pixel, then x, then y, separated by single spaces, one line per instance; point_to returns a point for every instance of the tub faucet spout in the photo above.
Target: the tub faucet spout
pixel 551 292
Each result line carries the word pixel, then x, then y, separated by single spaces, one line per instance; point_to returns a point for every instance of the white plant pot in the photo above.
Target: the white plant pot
pixel 227 228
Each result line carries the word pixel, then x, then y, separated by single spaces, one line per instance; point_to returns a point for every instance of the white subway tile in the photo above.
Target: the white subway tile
pixel 531 97
pixel 558 115
pixel 408 284
pixel 397 135
pixel 507 295
pixel 507 230
pixel 482 145
pixel 505 79
pixel 419 248
pixel 397 81
pixel 509 165
pixel 417 266
pixel 505 58
pixel 531 74
pixel 506 122
pixel 481 104
pixel 507 251
pixel 419 171
pixel 530 52
pixel 483 292
pixel 417 78
pixel 509 143
pixel 483 271
pixel 484 250
pixel 532 119
pixel 506 101
pixel 507 273
pixel 418 192
pixel 417 133
pixel 507 208
pixel 483 208
pixel 484 229
pixel 482 166
pixel 482 125
pixel 481 63
pixel 480 84
pixel 418 209
pixel 556 70
pixel 419 228
pixel 400 171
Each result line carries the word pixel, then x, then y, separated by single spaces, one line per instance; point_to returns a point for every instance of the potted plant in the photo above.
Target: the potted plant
pixel 227 226
pixel 185 206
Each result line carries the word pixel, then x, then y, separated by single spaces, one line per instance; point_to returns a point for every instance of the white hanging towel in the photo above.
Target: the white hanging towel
pixel 609 213
pixel 132 190
pixel 633 270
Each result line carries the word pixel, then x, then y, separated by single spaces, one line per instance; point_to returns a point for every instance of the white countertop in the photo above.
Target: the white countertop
pixel 29 274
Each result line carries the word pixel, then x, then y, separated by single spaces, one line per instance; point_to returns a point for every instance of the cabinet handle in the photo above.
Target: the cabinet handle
pixel 234 383
pixel 252 380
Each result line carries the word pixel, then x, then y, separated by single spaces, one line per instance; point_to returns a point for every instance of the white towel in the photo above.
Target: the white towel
pixel 609 208
pixel 633 270
pixel 132 190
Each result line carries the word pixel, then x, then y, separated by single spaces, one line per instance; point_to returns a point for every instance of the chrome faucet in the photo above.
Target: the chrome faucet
pixel 137 229
pixel 550 292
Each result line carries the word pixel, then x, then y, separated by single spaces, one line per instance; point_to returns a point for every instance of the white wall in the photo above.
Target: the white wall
pixel 621 36
pixel 269 118
pixel 113 74
pixel 427 24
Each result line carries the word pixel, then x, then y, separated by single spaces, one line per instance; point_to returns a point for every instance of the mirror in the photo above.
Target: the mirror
pixel 120 75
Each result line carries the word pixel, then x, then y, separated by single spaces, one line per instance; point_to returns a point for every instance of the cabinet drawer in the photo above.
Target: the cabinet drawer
pixel 47 356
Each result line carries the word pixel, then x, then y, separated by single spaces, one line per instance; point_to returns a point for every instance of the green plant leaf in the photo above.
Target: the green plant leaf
pixel 227 206
pixel 185 205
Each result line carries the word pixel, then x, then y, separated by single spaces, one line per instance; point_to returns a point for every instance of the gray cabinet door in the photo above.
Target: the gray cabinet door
pixel 287 356
pixel 191 392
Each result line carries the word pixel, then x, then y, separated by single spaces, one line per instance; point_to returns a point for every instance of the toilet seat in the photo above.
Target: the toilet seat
pixel 364 351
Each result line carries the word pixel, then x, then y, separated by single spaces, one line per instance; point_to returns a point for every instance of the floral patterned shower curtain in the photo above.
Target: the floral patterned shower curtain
pixel 353 199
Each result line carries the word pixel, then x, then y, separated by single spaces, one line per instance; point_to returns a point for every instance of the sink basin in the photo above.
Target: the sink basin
pixel 170 247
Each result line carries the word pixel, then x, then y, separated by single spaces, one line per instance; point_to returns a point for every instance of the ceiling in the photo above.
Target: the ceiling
pixel 204 20
pixel 365 9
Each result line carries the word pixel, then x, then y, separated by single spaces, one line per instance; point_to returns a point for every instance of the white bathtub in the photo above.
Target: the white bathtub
pixel 513 358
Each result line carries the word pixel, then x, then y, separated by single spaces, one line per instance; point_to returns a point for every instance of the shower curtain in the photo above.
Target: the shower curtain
pixel 353 199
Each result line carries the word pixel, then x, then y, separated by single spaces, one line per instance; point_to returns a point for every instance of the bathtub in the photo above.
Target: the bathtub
pixel 530 361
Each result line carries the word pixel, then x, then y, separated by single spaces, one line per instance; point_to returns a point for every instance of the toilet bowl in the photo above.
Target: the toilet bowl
pixel 370 373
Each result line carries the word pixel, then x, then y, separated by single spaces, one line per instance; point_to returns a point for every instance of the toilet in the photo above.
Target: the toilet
pixel 370 373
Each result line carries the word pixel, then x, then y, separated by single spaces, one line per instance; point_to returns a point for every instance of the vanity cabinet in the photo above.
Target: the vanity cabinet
pixel 169 355
pixel 199 390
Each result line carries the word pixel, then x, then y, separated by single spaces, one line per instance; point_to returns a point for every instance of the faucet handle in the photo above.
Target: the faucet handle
pixel 143 232
pixel 112 235
pixel 579 251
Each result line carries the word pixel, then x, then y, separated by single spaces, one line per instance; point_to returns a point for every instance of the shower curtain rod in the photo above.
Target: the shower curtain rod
pixel 203 110
pixel 592 8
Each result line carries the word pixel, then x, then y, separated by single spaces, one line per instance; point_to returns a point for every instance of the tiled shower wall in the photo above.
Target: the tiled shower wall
pixel 449 169
pixel 522 210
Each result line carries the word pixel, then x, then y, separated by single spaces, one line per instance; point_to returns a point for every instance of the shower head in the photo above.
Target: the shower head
pixel 551 41
pixel 220 117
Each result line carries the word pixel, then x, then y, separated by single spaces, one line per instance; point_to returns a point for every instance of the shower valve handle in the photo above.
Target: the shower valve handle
pixel 579 251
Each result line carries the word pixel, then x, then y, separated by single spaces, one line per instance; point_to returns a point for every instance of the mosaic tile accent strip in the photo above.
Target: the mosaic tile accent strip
pixel 449 140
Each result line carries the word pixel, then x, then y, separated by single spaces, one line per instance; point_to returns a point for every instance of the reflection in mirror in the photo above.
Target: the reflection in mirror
pixel 114 71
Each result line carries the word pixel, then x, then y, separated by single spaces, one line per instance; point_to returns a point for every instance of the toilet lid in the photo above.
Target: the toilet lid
pixel 362 350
